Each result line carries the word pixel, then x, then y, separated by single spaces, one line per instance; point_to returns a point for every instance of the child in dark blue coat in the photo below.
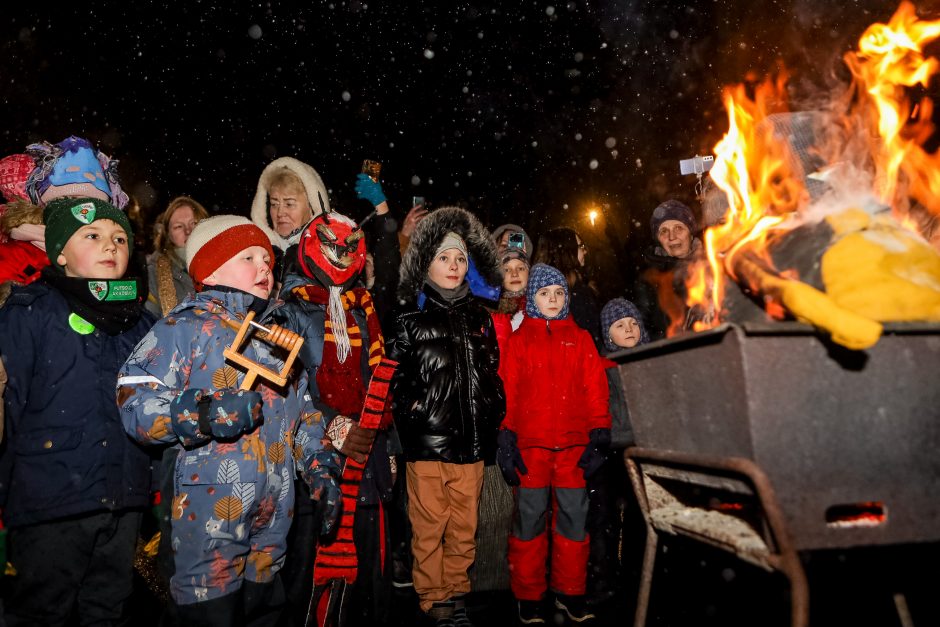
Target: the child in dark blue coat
pixel 72 485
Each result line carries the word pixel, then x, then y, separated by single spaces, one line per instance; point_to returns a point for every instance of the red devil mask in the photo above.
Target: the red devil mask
pixel 332 250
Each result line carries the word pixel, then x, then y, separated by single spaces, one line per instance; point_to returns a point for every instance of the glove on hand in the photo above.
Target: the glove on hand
pixel 349 438
pixel 508 457
pixel 197 415
pixel 369 189
pixel 322 473
pixel 595 453
pixel 358 442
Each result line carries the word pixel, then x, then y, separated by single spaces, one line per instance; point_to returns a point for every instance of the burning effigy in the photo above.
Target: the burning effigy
pixel 820 207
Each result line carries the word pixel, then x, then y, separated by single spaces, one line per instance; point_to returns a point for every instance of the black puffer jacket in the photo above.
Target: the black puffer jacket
pixel 449 399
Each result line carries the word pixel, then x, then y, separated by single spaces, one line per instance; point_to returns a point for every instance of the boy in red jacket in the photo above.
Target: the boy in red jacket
pixel 555 434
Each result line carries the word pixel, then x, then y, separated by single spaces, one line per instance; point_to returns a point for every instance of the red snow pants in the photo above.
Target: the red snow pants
pixel 553 481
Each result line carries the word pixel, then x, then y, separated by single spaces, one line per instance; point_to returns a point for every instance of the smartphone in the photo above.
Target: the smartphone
pixel 517 240
pixel 417 200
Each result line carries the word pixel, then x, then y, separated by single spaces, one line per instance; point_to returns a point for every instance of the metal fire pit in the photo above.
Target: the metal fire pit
pixel 832 429
pixel 767 439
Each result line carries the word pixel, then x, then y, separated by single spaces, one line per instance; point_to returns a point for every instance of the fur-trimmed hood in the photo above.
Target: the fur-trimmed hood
pixel 313 185
pixel 428 236
pixel 18 213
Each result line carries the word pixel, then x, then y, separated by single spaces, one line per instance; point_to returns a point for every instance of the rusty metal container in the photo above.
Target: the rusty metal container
pixel 850 440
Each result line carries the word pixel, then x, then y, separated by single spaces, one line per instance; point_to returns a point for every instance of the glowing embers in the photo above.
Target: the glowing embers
pixel 869 514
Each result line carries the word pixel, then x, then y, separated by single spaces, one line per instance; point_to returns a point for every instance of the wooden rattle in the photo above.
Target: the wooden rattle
pixel 275 335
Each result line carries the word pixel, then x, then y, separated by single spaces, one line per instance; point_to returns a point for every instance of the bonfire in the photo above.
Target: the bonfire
pixel 819 224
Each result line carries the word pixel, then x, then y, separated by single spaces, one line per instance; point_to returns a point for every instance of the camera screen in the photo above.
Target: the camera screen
pixel 517 240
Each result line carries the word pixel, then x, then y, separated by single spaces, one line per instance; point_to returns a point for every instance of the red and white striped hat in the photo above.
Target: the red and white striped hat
pixel 217 239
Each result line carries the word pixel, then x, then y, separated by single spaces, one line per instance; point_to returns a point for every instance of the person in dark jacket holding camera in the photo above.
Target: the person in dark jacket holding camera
pixel 448 404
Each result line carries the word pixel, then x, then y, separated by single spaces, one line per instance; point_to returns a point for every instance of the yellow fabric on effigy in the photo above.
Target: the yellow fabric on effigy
pixel 878 269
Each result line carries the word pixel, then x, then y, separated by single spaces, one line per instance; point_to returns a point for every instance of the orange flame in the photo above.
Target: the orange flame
pixel 763 181
pixel 754 171
pixel 889 59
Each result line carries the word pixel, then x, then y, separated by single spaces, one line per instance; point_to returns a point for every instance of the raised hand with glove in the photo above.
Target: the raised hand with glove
pixel 595 453
pixel 369 189
pixel 508 457
pixel 322 471
pixel 199 415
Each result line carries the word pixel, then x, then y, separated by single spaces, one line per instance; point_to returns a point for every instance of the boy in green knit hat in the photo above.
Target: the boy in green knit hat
pixel 72 485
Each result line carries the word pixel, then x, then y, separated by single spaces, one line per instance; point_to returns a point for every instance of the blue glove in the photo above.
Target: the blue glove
pixel 198 415
pixel 595 453
pixel 322 474
pixel 478 285
pixel 508 457
pixel 369 189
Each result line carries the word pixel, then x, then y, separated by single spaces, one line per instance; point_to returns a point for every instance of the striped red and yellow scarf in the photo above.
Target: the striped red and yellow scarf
pixel 340 381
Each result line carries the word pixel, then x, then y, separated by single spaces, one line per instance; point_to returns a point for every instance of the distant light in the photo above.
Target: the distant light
pixel 592 216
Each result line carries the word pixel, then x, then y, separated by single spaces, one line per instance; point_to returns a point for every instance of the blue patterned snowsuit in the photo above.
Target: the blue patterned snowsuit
pixel 233 502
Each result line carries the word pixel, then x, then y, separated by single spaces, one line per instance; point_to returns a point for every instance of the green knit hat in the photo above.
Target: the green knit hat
pixel 64 216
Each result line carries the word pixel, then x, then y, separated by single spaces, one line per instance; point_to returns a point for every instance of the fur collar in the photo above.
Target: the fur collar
pixel 18 213
pixel 428 236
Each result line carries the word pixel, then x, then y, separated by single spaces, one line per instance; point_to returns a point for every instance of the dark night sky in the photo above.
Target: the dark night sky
pixel 521 111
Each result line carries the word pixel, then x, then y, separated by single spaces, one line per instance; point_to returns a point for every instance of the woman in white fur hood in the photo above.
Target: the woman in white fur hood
pixel 290 194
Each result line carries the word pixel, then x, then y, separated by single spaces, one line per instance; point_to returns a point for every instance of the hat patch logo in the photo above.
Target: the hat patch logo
pixel 99 289
pixel 84 213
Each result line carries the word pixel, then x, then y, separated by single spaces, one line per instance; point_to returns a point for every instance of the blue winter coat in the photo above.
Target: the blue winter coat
pixel 65 452
pixel 233 501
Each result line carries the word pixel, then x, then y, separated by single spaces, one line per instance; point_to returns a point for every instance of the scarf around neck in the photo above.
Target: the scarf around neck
pixel 112 305
pixel 356 298
pixel 450 295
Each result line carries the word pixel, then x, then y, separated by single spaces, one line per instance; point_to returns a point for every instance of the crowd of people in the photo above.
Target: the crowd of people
pixel 454 423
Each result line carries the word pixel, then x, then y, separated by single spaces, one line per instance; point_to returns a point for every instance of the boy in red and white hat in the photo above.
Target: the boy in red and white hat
pixel 229 478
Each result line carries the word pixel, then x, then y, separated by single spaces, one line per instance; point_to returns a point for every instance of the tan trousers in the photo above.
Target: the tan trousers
pixel 442 505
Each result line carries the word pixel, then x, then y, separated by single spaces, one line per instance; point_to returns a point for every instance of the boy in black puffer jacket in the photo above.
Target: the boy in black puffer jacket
pixel 448 403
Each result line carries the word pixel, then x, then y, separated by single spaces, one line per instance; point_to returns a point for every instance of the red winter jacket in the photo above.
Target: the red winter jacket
pixel 556 387
pixel 21 262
